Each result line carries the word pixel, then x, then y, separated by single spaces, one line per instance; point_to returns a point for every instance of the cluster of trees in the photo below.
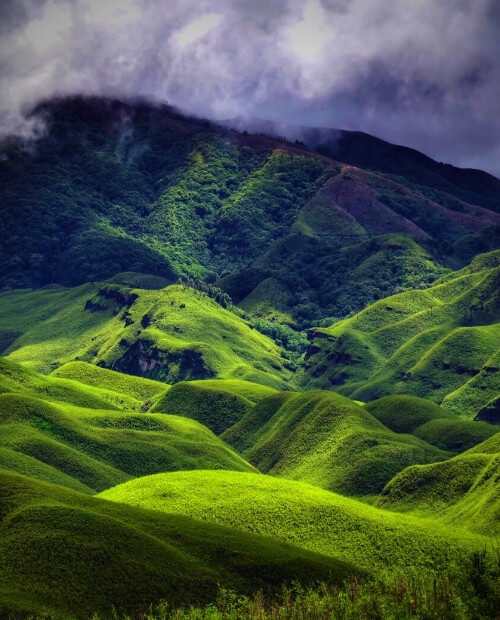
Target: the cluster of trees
pixel 215 293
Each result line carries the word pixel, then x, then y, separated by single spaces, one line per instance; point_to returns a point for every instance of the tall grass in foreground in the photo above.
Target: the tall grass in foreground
pixel 465 592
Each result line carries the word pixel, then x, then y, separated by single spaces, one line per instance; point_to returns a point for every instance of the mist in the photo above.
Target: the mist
pixel 423 73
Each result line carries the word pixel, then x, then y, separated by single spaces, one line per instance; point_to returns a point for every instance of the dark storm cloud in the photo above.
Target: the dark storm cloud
pixel 419 72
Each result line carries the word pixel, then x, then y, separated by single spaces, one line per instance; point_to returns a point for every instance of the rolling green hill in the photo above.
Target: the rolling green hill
pixel 90 450
pixel 439 343
pixel 139 388
pixel 217 403
pixel 67 555
pixel 169 335
pixel 430 422
pixel 303 514
pixel 462 491
pixel 326 439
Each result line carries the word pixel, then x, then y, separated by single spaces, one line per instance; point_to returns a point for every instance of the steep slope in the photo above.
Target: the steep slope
pixel 67 555
pixel 90 450
pixel 463 491
pixel 328 440
pixel 305 515
pixel 439 343
pixel 170 334
pixel 115 187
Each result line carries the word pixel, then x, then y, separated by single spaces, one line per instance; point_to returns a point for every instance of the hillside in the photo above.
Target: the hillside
pixel 439 343
pixel 463 490
pixel 116 556
pixel 90 450
pixel 430 422
pixel 169 335
pixel 327 440
pixel 141 188
pixel 309 517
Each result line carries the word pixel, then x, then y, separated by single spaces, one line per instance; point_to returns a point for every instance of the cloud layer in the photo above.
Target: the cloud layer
pixel 419 72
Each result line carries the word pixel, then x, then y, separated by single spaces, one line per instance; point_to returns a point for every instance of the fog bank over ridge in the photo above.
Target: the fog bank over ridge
pixel 423 74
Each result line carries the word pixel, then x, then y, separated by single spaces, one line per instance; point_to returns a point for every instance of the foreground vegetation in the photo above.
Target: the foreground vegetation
pixel 468 590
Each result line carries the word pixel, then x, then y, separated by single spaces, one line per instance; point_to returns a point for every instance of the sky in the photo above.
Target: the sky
pixel 423 73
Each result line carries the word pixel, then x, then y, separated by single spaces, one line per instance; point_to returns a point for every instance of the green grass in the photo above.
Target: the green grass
pixel 326 439
pixel 217 403
pixel 17 378
pixel 463 490
pixel 466 590
pixel 403 414
pixel 430 422
pixel 455 435
pixel 90 450
pixel 304 515
pixel 440 343
pixel 65 554
pixel 139 388
pixel 169 335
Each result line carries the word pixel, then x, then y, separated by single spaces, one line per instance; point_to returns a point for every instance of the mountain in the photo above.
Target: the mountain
pixel 117 187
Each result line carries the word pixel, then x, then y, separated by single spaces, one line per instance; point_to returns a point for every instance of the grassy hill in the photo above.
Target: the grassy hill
pixel 217 403
pixel 139 388
pixel 90 450
pixel 439 343
pixel 326 439
pixel 461 491
pixel 16 378
pixel 303 514
pixel 430 422
pixel 169 335
pixel 67 555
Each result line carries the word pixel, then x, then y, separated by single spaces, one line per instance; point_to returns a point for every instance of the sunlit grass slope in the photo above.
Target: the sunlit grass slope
pixel 302 514
pixel 90 450
pixel 138 388
pixel 169 335
pixel 17 378
pixel 464 490
pixel 64 554
pixel 438 343
pixel 217 403
pixel 432 423
pixel 326 439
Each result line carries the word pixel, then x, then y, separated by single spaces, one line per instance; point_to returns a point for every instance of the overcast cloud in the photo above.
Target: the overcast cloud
pixel 424 73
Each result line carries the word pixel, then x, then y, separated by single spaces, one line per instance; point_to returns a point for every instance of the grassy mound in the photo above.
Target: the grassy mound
pixel 90 450
pixel 403 414
pixel 462 491
pixel 455 435
pixel 19 379
pixel 139 388
pixel 216 403
pixel 440 343
pixel 169 335
pixel 300 513
pixel 430 422
pixel 67 555
pixel 328 440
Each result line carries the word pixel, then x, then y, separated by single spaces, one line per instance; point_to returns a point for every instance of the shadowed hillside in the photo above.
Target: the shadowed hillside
pixel 140 188
pixel 328 440
pixel 115 556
